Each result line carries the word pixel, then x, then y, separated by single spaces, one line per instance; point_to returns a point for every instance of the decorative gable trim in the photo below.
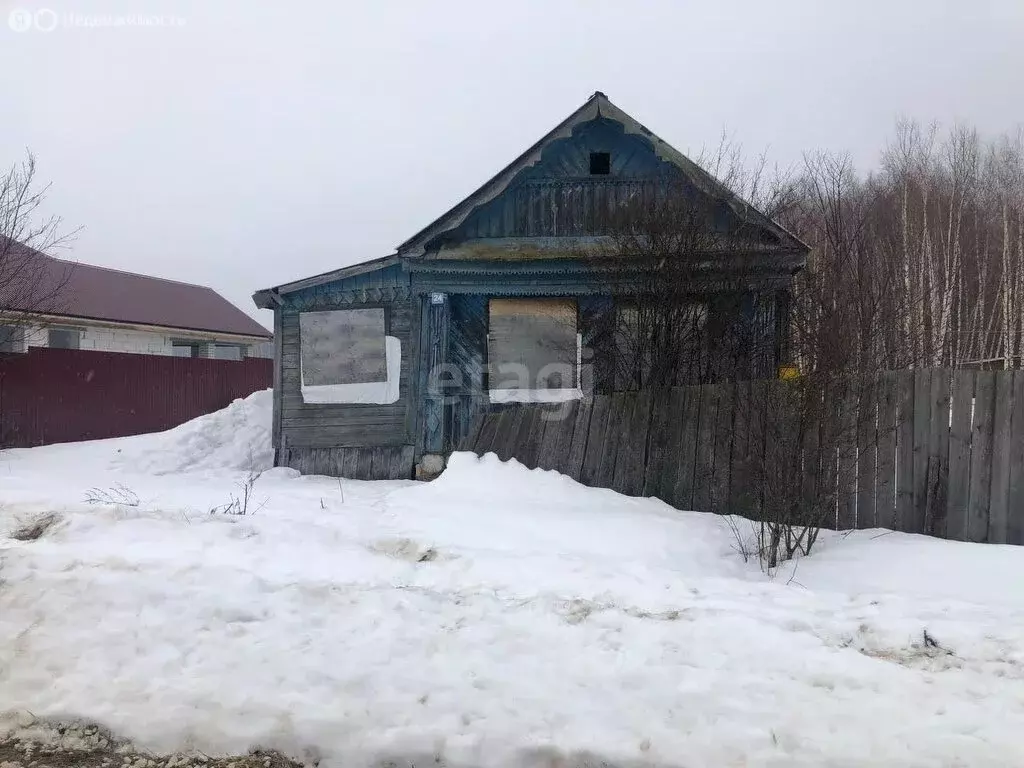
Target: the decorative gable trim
pixel 326 297
pixel 596 106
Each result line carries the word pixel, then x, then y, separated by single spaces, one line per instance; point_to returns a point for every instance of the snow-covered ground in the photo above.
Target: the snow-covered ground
pixel 495 617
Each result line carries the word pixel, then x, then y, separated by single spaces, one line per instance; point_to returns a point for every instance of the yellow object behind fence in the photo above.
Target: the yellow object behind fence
pixel 789 372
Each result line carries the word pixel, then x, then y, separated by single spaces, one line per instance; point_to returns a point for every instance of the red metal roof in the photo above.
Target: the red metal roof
pixel 85 291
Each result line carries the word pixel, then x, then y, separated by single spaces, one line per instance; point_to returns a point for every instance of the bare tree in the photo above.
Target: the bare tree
pixel 658 329
pixel 33 286
pixel 684 313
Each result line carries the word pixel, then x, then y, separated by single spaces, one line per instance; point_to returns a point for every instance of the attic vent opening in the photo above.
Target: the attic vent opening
pixel 600 163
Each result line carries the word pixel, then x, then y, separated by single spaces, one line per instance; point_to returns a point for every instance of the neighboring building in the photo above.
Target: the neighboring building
pixel 80 306
pixel 381 364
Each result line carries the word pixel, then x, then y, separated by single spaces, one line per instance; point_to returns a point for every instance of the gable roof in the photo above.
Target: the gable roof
pixel 88 292
pixel 596 106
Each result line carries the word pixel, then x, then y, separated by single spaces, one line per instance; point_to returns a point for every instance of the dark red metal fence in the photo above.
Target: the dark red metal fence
pixel 62 395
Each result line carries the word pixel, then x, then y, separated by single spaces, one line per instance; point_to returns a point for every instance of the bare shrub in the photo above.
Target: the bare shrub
pixel 117 495
pixel 238 505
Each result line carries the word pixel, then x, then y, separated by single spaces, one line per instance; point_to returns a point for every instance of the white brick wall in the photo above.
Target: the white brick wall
pixel 123 340
pixel 112 340
pixel 132 341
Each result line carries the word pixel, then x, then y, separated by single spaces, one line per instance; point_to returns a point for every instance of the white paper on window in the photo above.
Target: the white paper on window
pixel 345 357
pixel 373 392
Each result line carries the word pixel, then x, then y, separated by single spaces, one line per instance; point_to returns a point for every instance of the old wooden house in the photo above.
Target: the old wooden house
pixel 381 366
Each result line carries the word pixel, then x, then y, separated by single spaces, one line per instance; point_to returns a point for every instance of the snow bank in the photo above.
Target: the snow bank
pixel 233 438
pixel 496 617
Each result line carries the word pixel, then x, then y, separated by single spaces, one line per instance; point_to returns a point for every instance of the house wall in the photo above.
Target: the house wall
pixel 439 316
pixel 348 439
pixel 455 336
pixel 133 341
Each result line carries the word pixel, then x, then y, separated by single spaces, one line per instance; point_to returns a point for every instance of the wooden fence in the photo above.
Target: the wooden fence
pixel 931 451
pixel 61 395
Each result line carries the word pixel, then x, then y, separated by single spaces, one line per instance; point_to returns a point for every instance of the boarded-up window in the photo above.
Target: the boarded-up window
pixel 659 346
pixel 343 347
pixel 532 344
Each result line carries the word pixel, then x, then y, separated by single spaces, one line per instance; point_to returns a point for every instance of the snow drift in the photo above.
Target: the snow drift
pixel 496 617
pixel 236 437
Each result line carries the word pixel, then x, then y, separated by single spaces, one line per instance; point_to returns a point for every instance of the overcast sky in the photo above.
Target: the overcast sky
pixel 243 143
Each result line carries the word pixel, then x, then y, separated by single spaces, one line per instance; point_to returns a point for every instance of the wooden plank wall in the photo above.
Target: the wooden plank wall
pixel 931 451
pixel 340 425
pixel 381 463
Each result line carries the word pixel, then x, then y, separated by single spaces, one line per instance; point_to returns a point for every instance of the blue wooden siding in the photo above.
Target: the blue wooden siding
pixel 387 284
pixel 434 342
pixel 349 439
pixel 467 354
pixel 558 196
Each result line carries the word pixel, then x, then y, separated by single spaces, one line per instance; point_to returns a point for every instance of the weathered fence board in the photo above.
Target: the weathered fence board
pixel 811 458
pixel 631 479
pixel 485 437
pixel 938 454
pixel 756 442
pixel 867 442
pixel 997 506
pixel 472 436
pixel 704 464
pixel 885 468
pixel 558 437
pixel 828 459
pixel 595 440
pixel 617 409
pixel 722 449
pixel 526 442
pixel 846 458
pixel 739 478
pixel 578 447
pixel 932 451
pixel 624 448
pixel 682 496
pixel 662 426
pixel 905 451
pixel 1015 492
pixel 675 447
pixel 921 430
pixel 981 456
pixel 958 494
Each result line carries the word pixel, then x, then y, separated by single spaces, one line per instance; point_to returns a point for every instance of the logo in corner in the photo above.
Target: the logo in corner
pixel 20 20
